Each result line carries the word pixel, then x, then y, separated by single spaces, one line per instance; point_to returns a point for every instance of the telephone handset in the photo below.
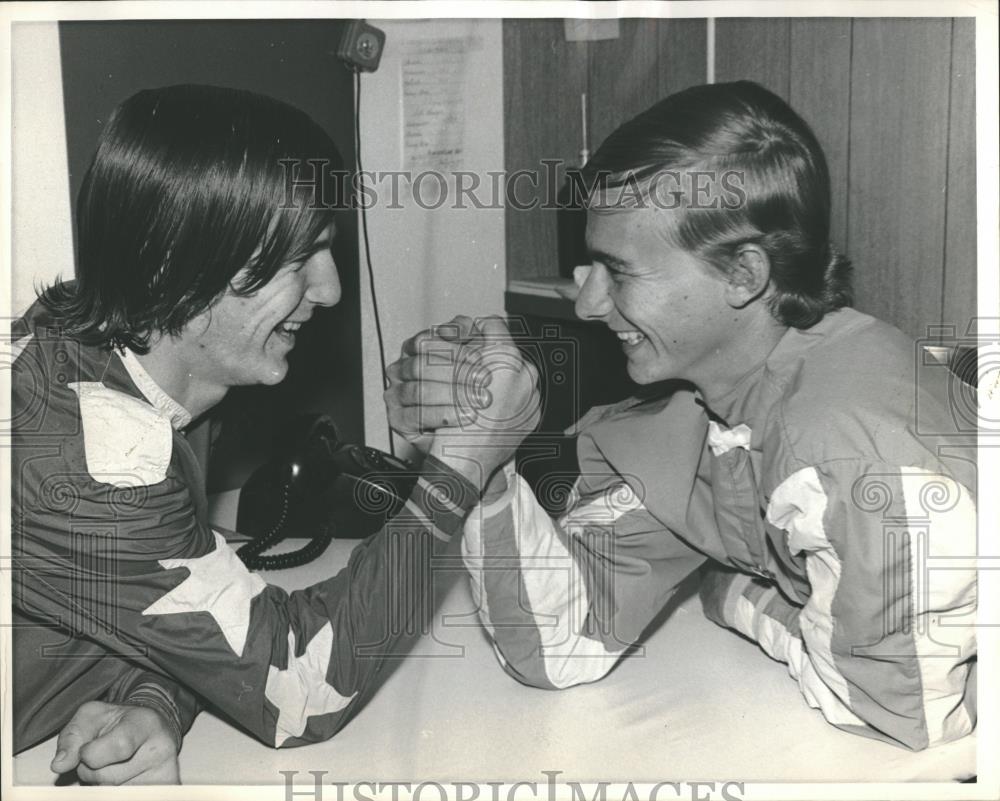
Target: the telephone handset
pixel 318 488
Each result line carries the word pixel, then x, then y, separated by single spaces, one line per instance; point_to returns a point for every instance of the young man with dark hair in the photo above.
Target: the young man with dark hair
pixel 202 250
pixel 783 454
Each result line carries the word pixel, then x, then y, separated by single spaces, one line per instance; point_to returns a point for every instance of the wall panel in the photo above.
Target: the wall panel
pixel 650 59
pixel 543 78
pixel 41 220
pixel 959 301
pixel 754 50
pixel 820 90
pixel 899 132
pixel 682 54
pixel 623 76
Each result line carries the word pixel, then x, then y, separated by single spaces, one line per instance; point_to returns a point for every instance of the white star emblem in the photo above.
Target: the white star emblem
pixel 301 690
pixel 220 584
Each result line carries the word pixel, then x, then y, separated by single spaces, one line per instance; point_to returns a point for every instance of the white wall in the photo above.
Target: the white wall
pixel 42 235
pixel 430 264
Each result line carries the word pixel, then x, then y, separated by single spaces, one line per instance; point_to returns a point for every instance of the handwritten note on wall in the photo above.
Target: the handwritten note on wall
pixel 434 76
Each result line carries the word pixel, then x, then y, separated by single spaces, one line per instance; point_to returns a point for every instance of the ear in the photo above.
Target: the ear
pixel 748 276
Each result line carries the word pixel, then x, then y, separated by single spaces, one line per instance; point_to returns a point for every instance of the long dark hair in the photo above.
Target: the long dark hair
pixel 779 175
pixel 189 185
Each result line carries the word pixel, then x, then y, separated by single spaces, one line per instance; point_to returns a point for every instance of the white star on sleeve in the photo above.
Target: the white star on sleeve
pixel 220 584
pixel 301 690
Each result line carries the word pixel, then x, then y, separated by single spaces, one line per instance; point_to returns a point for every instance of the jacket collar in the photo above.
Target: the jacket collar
pixel 179 416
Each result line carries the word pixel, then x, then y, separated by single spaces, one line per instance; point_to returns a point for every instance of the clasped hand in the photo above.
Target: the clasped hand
pixel 464 392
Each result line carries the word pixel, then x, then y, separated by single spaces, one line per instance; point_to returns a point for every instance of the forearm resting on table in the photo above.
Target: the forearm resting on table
pixel 563 599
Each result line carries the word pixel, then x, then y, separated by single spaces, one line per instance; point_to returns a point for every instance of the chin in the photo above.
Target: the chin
pixel 276 376
pixel 271 374
pixel 646 373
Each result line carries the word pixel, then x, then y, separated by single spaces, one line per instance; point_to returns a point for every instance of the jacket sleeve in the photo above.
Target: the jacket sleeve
pixel 175 704
pixel 562 599
pixel 884 645
pixel 135 569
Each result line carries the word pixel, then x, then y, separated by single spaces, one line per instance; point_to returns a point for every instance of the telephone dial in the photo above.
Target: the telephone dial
pixel 318 488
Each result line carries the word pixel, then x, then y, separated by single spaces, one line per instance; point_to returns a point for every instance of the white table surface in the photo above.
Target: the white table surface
pixel 697 703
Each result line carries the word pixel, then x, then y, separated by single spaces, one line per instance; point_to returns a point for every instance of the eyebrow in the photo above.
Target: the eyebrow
pixel 606 258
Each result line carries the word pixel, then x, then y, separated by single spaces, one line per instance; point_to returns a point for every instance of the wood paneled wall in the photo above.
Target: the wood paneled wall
pixel 544 76
pixel 891 101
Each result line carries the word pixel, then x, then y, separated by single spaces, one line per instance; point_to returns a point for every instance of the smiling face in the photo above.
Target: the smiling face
pixel 668 308
pixel 244 340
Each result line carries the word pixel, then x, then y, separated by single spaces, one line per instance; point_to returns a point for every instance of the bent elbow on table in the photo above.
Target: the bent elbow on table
pixel 554 666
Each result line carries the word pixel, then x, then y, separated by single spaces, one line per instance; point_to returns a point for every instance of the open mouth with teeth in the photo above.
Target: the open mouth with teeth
pixel 630 338
pixel 286 331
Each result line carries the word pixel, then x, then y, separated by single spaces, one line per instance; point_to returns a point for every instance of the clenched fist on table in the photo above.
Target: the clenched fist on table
pixel 118 744
pixel 463 392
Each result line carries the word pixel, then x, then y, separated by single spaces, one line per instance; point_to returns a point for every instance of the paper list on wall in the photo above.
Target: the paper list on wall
pixel 433 74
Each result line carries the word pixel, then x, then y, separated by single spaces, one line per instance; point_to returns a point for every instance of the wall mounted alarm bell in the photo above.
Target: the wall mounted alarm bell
pixel 361 46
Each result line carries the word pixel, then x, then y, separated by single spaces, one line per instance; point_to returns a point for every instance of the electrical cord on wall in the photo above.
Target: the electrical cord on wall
pixel 364 231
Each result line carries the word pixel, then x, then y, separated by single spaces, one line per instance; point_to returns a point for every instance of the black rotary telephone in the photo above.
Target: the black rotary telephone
pixel 318 488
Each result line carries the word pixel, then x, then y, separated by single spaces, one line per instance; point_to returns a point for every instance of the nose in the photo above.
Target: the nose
pixel 594 301
pixel 324 282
